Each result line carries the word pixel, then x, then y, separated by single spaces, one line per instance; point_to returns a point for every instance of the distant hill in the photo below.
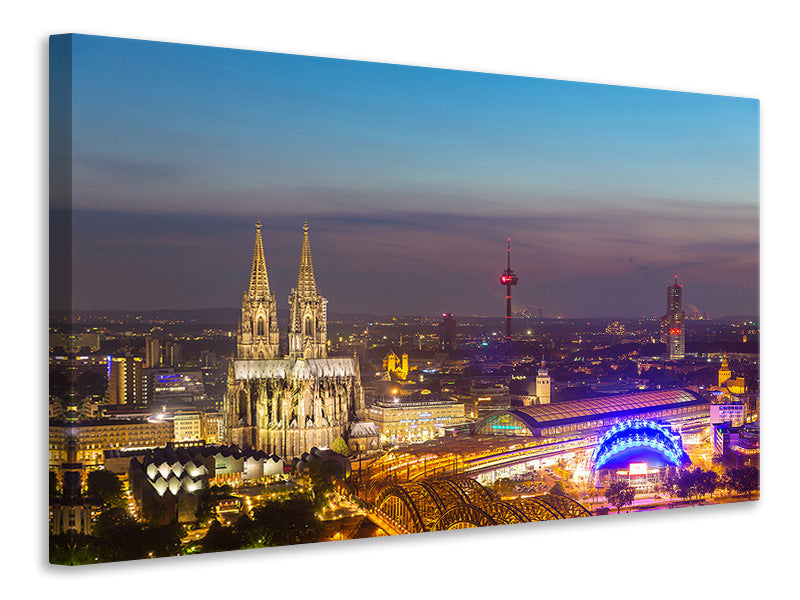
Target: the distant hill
pixel 229 315
pixel 217 316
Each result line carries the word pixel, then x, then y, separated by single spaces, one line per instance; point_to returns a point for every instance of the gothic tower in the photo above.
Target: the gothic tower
pixel 286 405
pixel 308 318
pixel 258 336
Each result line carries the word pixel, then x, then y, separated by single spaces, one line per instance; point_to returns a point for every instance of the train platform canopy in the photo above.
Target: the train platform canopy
pixel 523 432
pixel 548 419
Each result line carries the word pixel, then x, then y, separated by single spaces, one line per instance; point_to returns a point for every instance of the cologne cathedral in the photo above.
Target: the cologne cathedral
pixel 288 403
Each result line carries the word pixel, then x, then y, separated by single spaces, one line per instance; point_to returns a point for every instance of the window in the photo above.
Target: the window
pixel 309 327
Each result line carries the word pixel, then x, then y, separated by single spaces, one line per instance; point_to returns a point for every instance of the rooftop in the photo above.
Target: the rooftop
pixel 572 411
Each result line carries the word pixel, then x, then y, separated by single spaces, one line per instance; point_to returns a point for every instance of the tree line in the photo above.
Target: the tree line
pixel 691 484
pixel 118 536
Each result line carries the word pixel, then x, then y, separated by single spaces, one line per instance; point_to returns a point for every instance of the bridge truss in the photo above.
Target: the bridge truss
pixel 461 502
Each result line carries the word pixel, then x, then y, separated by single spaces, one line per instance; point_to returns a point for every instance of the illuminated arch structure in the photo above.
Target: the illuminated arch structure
pixel 648 444
pixel 461 502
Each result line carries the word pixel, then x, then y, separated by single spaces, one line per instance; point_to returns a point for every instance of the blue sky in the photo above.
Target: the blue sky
pixel 411 178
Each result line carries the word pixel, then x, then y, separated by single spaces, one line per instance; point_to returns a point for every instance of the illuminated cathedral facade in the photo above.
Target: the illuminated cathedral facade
pixel 288 403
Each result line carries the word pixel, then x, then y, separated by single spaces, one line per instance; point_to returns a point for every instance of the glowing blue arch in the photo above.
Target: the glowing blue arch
pixel 639 436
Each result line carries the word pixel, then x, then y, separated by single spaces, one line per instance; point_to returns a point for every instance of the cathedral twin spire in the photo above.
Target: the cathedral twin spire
pixel 259 281
pixel 306 286
pixel 308 314
pixel 258 336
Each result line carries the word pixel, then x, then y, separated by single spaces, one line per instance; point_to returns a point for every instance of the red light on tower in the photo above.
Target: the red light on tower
pixel 675 331
pixel 508 278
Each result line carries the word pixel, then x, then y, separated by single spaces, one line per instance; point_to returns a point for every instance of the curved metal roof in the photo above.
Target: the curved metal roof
pixel 576 411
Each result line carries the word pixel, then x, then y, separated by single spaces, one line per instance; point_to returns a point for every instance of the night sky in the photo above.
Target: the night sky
pixel 411 180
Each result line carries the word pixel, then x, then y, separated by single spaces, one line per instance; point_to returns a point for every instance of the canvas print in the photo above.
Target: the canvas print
pixel 298 299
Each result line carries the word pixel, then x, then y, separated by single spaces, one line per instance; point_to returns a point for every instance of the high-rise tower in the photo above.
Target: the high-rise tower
pixel 675 334
pixel 308 318
pixel 447 333
pixel 508 278
pixel 152 353
pixel 124 380
pixel 258 335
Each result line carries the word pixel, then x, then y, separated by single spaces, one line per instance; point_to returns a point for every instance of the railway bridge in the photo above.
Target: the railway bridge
pixel 461 502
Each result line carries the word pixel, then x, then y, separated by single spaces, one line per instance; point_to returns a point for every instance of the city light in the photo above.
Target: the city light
pixel 338 397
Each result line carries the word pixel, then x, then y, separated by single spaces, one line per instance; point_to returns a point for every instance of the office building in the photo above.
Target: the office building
pixel 171 387
pixel 162 353
pixel 152 352
pixel 673 323
pixel 415 418
pixel 125 380
pixel 447 333
pixel 92 437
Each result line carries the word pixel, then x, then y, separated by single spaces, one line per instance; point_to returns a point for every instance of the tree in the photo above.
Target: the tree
pixel 620 494
pixel 119 536
pixel 89 384
pixel 73 548
pixel 53 484
pixel 220 539
pixel 288 521
pixel 113 520
pixel 557 490
pixel 274 523
pixel 744 480
pixel 708 481
pixel 164 540
pixel 105 486
pixel 686 484
pixel 321 474
pixel 694 483
pixel 60 386
pixel 340 446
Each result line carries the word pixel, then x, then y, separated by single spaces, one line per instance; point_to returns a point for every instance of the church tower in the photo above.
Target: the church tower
pixel 308 313
pixel 724 371
pixel 258 336
pixel 543 385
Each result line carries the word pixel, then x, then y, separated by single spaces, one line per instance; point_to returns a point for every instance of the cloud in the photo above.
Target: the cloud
pixel 132 170
pixel 415 262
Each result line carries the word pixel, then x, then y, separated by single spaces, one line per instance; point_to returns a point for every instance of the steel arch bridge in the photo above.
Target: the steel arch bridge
pixel 461 502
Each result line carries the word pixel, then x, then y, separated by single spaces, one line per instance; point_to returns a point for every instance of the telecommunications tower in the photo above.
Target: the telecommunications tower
pixel 508 278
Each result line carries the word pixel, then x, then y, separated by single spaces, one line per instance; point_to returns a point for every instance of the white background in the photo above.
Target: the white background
pixel 729 48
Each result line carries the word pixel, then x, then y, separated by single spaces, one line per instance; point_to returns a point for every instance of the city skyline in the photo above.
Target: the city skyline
pixel 410 178
pixel 362 201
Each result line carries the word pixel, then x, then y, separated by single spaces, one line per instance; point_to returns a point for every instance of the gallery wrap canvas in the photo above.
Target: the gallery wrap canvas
pixel 298 299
